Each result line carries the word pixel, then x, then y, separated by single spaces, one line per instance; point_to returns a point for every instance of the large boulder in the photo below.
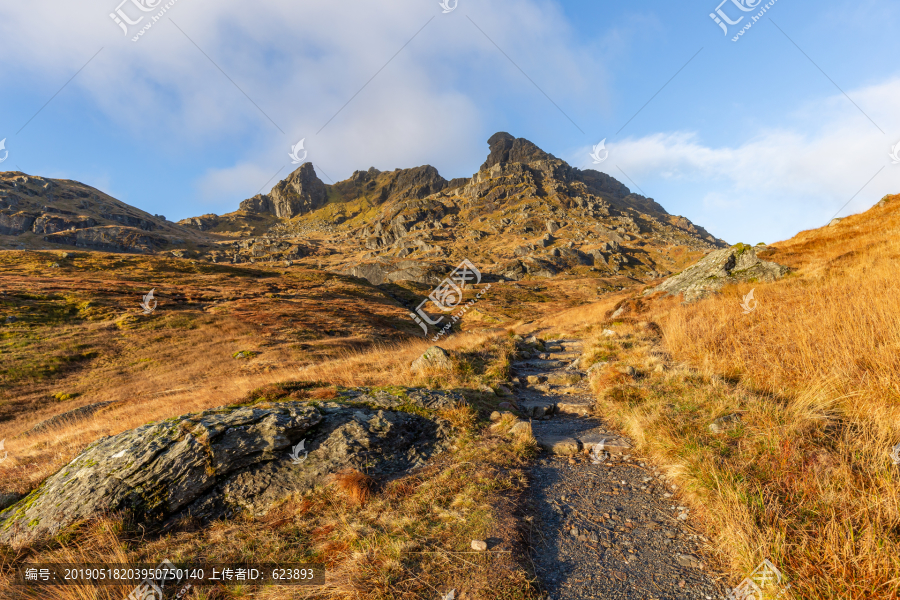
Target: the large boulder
pixel 433 359
pixel 736 264
pixel 220 462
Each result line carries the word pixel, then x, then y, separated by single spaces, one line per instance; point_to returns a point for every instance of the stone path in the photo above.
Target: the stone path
pixel 612 530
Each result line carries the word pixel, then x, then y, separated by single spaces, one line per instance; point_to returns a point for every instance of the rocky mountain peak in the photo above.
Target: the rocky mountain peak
pixel 507 148
pixel 300 193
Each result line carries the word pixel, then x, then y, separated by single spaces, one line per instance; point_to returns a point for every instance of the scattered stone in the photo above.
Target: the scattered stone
pixel 688 561
pixel 573 409
pixel 537 408
pixel 496 416
pixel 433 359
pixel 725 423
pixel 506 406
pixel 502 390
pixel 479 545
pixel 609 333
pixel 536 379
pixel 595 368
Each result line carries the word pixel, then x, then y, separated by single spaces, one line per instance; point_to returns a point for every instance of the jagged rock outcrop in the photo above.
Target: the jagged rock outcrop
pixel 506 148
pixel 16 223
pixel 202 223
pixel 404 270
pixel 51 223
pixel 109 239
pixel 729 265
pixel 219 462
pixel 300 193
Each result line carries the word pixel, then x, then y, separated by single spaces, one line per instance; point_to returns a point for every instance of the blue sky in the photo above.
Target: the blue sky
pixel 754 140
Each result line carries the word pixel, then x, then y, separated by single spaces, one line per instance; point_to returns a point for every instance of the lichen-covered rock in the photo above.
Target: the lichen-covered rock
pixel 730 265
pixel 433 359
pixel 156 470
pixel 217 463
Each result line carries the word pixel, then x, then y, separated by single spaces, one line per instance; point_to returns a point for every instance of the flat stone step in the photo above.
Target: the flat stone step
pixel 573 408
pixel 543 364
pixel 557 444
pixel 611 443
pixel 566 356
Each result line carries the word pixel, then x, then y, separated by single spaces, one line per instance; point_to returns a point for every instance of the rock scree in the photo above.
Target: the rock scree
pixel 217 463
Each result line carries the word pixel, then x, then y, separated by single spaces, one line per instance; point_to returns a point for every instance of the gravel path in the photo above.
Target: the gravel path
pixel 611 530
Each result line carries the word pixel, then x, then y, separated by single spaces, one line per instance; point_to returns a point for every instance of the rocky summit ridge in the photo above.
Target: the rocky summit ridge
pixel 525 213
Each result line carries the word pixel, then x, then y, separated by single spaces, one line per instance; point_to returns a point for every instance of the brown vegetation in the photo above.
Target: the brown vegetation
pixel 805 479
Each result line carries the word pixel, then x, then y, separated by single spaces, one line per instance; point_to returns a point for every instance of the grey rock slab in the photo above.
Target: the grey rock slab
pixel 611 444
pixel 219 462
pixel 565 446
pixel 156 469
pixel 543 364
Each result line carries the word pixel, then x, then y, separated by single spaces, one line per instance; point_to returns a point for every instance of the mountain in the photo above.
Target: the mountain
pixel 35 212
pixel 525 213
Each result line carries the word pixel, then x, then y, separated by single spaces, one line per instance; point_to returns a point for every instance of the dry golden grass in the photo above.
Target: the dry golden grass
pixel 806 479
pixel 407 538
pixel 822 352
pixel 401 538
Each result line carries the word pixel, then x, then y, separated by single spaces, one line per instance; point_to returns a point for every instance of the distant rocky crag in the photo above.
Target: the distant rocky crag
pixel 36 211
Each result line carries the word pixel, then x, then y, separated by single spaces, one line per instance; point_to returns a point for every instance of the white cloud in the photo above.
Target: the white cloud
pixel 300 63
pixel 781 180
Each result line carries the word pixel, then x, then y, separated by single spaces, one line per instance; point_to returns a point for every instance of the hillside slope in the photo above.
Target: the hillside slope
pixel 36 212
pixel 778 415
